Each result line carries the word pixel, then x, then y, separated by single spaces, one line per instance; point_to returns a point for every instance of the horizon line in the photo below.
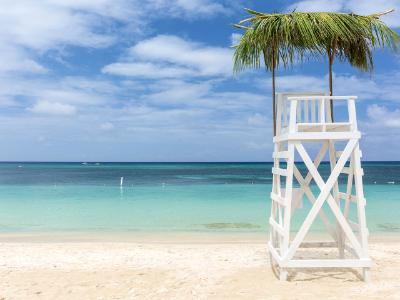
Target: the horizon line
pixel 163 162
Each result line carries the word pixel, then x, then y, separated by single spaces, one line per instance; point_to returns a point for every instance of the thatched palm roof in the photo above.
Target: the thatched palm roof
pixel 292 35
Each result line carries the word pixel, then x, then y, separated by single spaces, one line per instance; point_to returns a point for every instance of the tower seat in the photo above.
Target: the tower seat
pixel 317 136
pixel 320 127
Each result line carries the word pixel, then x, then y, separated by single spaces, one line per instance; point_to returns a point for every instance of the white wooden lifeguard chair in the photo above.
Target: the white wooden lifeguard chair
pixel 305 118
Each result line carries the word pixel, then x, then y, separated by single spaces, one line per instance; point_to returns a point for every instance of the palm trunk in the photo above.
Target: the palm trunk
pixel 273 91
pixel 331 53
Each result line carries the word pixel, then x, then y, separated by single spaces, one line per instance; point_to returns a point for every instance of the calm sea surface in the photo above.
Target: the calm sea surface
pixel 165 197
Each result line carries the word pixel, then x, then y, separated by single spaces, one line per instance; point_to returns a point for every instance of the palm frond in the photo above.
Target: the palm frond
pixel 292 35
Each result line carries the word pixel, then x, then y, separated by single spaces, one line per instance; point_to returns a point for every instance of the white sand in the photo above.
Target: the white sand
pixel 178 268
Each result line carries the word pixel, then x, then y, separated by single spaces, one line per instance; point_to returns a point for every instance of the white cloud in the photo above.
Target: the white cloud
pixel 381 132
pixel 16 59
pixel 370 7
pixel 7 101
pixel 191 8
pixel 29 29
pixel 53 108
pixel 175 50
pixel 76 91
pixel 122 10
pixel 40 26
pixel 146 70
pixel 260 145
pixel 317 5
pixel 44 25
pixel 381 116
pixel 47 24
pixel 300 83
pixel 74 96
pixel 174 105
pixel 235 38
pixel 257 120
pixel 185 104
pixel 356 6
pixel 173 57
pixel 179 93
pixel 107 126
pixel 380 86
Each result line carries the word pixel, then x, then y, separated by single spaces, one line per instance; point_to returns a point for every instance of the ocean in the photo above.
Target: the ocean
pixel 166 197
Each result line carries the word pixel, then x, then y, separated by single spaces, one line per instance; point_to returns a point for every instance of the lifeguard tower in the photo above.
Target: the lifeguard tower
pixel 303 119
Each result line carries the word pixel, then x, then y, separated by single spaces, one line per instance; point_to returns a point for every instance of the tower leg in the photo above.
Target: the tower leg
pixel 288 207
pixel 341 244
pixel 275 210
pixel 283 274
pixel 361 206
pixel 366 274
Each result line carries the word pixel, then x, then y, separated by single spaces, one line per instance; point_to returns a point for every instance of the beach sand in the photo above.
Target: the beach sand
pixel 177 267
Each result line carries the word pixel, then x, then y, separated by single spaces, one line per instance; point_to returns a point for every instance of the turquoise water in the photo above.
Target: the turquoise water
pixel 164 197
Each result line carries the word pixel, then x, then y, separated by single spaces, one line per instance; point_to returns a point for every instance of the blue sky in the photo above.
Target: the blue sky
pixel 129 80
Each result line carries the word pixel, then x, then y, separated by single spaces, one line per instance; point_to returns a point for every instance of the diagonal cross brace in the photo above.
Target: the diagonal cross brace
pixel 332 203
pixel 310 196
pixel 317 161
pixel 325 192
pixel 305 182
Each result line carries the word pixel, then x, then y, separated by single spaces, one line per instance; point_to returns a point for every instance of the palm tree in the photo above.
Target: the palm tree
pixel 286 38
pixel 358 51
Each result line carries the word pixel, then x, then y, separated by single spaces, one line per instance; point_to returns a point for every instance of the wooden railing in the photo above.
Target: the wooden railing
pixel 308 110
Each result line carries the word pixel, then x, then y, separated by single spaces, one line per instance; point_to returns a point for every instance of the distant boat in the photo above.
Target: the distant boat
pixel 84 163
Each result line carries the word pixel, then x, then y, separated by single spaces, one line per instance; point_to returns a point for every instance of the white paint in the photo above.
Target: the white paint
pixel 308 120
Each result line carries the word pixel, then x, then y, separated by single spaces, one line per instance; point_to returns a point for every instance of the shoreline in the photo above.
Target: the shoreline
pixel 167 237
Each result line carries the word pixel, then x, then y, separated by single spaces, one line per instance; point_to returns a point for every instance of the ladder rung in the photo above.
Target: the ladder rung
pixel 302 98
pixel 352 198
pixel 327 263
pixel 315 124
pixel 344 196
pixel 354 226
pixel 279 171
pixel 350 249
pixel 347 170
pixel 276 226
pixel 278 199
pixel 339 153
pixel 281 154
